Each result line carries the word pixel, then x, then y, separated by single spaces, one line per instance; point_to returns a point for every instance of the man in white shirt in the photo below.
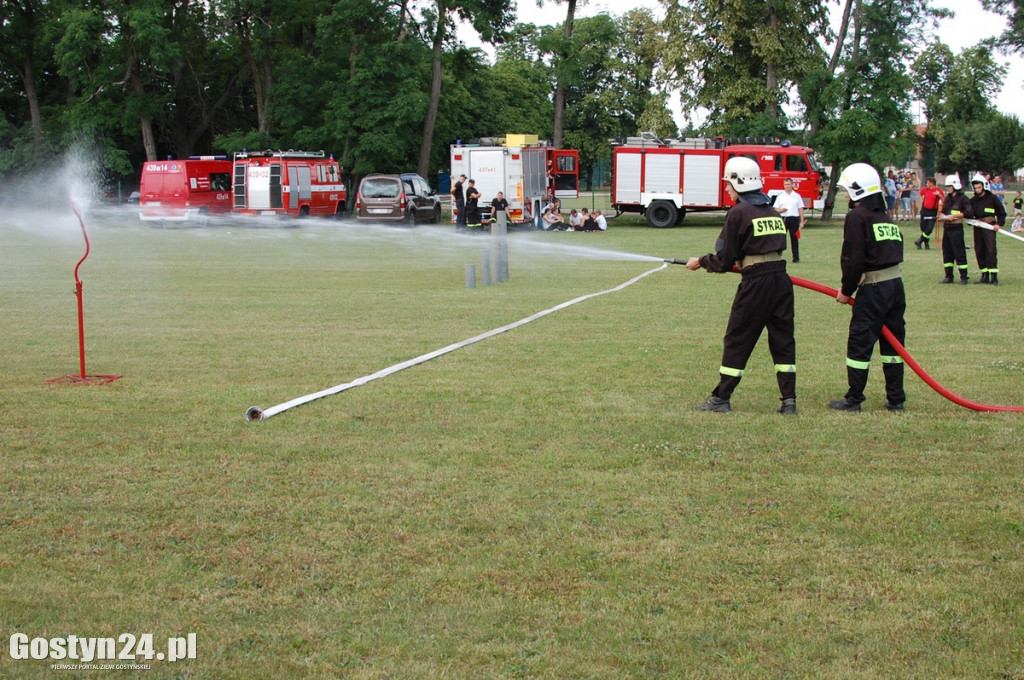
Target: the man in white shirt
pixel 602 223
pixel 790 205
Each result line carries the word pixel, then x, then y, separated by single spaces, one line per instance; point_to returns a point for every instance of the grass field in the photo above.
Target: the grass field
pixel 542 504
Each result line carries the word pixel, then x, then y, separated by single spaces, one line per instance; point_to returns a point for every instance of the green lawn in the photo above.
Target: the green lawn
pixel 542 504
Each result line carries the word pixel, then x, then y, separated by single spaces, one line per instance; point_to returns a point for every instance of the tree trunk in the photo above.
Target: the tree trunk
pixel 840 38
pixel 423 167
pixel 29 78
pixel 771 80
pixel 556 137
pixel 833 188
pixel 261 77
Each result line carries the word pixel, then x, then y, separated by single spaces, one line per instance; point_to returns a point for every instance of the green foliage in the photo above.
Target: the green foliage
pixel 965 132
pixel 861 113
pixel 1012 39
pixel 739 60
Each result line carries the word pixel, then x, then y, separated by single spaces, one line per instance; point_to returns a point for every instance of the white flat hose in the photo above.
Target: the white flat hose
pixel 256 413
pixel 1002 231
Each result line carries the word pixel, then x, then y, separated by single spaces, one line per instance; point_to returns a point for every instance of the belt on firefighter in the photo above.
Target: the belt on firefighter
pixel 879 275
pixel 759 257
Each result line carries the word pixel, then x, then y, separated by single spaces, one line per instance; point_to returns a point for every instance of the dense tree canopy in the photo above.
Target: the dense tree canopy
pixel 387 85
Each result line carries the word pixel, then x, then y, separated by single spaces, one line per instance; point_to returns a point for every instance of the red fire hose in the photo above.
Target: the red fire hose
pixel 909 360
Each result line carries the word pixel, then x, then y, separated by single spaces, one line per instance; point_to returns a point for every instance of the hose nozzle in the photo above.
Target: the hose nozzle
pixel 676 261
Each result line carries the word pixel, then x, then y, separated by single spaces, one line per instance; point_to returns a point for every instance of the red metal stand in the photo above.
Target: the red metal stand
pixel 81 378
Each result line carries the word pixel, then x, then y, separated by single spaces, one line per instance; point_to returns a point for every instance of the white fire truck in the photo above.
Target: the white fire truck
pixel 294 183
pixel 664 179
pixel 527 171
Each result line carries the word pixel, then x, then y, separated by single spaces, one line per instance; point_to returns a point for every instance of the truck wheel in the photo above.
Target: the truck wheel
pixel 662 214
pixel 682 216
pixel 340 212
pixel 437 214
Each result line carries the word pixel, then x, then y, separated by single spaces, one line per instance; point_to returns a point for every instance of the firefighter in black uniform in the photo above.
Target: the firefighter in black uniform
pixel 473 222
pixel 955 209
pixel 870 261
pixel 987 208
pixel 754 237
pixel 459 201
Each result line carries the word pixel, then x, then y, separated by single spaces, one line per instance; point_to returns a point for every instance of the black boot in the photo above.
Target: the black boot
pixel 844 404
pixel 715 405
pixel 995 279
pixel 788 407
pixel 918 243
pixel 983 279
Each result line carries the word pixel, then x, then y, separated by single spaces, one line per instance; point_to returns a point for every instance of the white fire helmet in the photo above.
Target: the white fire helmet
pixel 954 181
pixel 980 179
pixel 744 174
pixel 860 180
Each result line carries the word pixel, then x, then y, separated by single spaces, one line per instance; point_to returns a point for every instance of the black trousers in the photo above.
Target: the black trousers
pixel 793 226
pixel 764 299
pixel 877 304
pixel 953 249
pixel 460 218
pixel 985 250
pixel 928 222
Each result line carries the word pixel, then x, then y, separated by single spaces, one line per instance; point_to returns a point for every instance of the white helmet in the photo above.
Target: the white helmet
pixel 954 181
pixel 744 174
pixel 860 180
pixel 980 179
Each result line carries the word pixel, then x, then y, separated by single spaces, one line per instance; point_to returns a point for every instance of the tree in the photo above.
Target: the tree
pixel 489 18
pixel 1012 39
pixel 562 69
pixel 740 60
pixel 957 91
pixel 860 110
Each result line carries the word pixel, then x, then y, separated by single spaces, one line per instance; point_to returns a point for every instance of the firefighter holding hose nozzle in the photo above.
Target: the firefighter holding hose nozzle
pixel 987 208
pixel 753 237
pixel 871 255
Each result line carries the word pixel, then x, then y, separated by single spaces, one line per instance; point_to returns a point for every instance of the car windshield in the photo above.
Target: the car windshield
pixel 380 188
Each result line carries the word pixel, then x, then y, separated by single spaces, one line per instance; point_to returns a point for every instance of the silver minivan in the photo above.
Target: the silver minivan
pixel 397 198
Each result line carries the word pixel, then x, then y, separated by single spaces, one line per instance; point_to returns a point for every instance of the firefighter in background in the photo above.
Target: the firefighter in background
pixel 955 209
pixel 931 203
pixel 870 261
pixel 473 219
pixel 459 201
pixel 987 208
pixel 754 236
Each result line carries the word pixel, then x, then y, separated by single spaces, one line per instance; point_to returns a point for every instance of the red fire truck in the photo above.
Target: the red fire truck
pixel 190 189
pixel 528 172
pixel 663 179
pixel 293 183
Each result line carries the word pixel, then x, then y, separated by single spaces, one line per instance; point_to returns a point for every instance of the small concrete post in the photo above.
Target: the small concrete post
pixel 485 267
pixel 499 236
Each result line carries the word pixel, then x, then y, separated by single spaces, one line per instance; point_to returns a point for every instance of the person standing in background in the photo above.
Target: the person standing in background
pixel 987 208
pixel 931 203
pixel 790 205
pixel 955 209
pixel 459 201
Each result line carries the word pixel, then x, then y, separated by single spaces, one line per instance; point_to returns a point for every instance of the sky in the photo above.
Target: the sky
pixel 971 25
